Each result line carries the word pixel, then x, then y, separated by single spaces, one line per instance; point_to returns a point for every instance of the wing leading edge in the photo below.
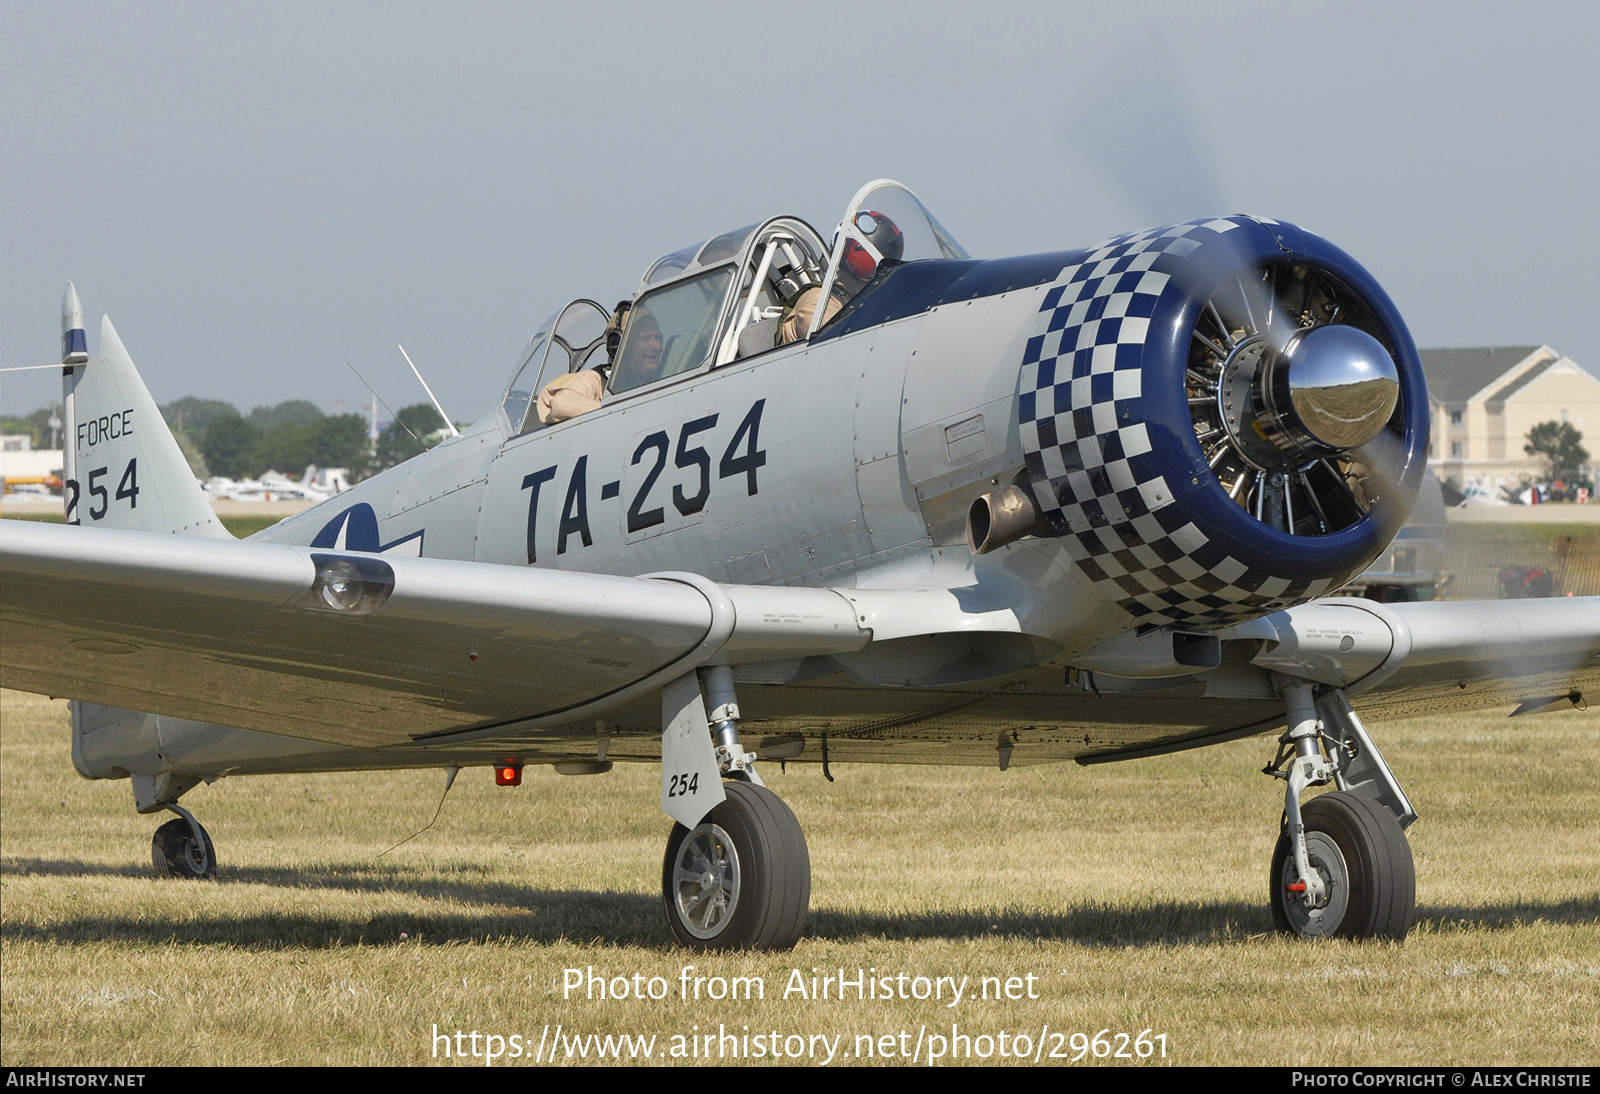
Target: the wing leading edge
pixel 245 635
pixel 362 651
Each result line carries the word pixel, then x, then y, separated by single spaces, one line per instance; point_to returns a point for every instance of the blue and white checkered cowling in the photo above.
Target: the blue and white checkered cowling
pixel 1086 417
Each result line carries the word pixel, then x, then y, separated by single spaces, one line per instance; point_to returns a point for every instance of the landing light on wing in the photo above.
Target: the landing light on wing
pixel 349 585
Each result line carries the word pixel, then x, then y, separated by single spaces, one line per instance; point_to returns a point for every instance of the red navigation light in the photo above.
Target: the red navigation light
pixel 508 775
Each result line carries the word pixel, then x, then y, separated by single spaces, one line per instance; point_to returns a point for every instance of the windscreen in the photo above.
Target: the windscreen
pixel 884 226
pixel 920 235
pixel 523 385
pixel 670 330
pixel 578 329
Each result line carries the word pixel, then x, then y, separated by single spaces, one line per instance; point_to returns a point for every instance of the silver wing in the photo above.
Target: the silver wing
pixel 1392 660
pixel 365 652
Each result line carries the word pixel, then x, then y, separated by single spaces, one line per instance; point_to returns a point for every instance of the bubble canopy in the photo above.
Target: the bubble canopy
pixel 713 252
pixel 692 304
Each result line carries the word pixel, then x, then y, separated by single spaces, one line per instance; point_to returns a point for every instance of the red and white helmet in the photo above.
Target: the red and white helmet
pixel 881 232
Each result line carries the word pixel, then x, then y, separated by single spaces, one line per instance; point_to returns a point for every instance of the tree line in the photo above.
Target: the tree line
pixel 218 440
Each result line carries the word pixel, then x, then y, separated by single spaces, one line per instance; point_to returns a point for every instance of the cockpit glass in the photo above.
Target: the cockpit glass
pixel 712 252
pixel 524 383
pixel 920 235
pixel 725 246
pixel 581 323
pixel 577 332
pixel 670 265
pixel 670 330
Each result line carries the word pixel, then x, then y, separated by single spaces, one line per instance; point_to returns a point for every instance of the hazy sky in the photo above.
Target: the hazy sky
pixel 257 193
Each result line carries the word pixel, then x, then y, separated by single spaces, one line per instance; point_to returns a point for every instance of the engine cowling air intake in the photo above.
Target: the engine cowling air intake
pixel 1220 418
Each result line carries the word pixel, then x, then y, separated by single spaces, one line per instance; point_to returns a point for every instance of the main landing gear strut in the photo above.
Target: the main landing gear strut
pixel 1342 865
pixel 737 876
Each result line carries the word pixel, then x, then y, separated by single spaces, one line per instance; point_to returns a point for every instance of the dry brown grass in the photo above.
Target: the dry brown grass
pixel 1475 555
pixel 1134 894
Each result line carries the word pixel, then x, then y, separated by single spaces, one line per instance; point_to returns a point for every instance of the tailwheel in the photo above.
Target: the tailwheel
pixel 177 853
pixel 1369 880
pixel 741 878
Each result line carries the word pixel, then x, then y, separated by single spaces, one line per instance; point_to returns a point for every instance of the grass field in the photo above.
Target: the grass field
pixel 1133 895
pixel 1476 553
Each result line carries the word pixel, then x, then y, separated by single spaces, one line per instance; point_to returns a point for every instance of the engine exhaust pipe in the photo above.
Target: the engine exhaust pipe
pixel 1001 517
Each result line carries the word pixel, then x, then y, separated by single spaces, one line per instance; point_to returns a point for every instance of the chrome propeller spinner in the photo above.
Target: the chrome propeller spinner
pixel 1292 390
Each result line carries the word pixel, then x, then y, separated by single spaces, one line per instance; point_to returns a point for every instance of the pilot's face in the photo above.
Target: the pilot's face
pixel 647 352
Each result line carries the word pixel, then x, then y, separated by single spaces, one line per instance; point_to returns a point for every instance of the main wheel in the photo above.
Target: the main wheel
pixel 175 853
pixel 741 878
pixel 1365 863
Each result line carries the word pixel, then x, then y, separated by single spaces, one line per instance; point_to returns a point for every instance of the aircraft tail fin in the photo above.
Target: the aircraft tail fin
pixel 124 469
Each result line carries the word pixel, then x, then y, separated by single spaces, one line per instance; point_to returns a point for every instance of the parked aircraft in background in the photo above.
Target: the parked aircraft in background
pixel 315 485
pixel 1073 505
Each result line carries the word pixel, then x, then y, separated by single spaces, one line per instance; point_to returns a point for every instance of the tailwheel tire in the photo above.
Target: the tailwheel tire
pixel 176 854
pixel 1365 862
pixel 741 878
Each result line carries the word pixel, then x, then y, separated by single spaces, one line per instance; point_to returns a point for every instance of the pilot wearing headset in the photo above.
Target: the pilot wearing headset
pixel 575 393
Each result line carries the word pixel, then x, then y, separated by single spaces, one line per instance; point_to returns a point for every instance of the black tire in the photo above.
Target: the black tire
pixel 1363 857
pixel 175 854
pixel 753 888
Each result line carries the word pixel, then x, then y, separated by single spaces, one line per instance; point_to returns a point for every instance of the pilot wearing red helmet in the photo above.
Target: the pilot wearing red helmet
pixel 856 268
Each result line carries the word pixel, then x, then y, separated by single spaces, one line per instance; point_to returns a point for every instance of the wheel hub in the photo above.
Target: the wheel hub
pixel 1318 917
pixel 706 881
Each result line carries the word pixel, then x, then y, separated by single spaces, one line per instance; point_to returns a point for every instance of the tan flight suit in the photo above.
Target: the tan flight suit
pixel 797 317
pixel 569 395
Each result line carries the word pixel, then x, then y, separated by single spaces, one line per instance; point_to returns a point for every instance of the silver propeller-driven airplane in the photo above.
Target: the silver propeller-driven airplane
pixel 1078 505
